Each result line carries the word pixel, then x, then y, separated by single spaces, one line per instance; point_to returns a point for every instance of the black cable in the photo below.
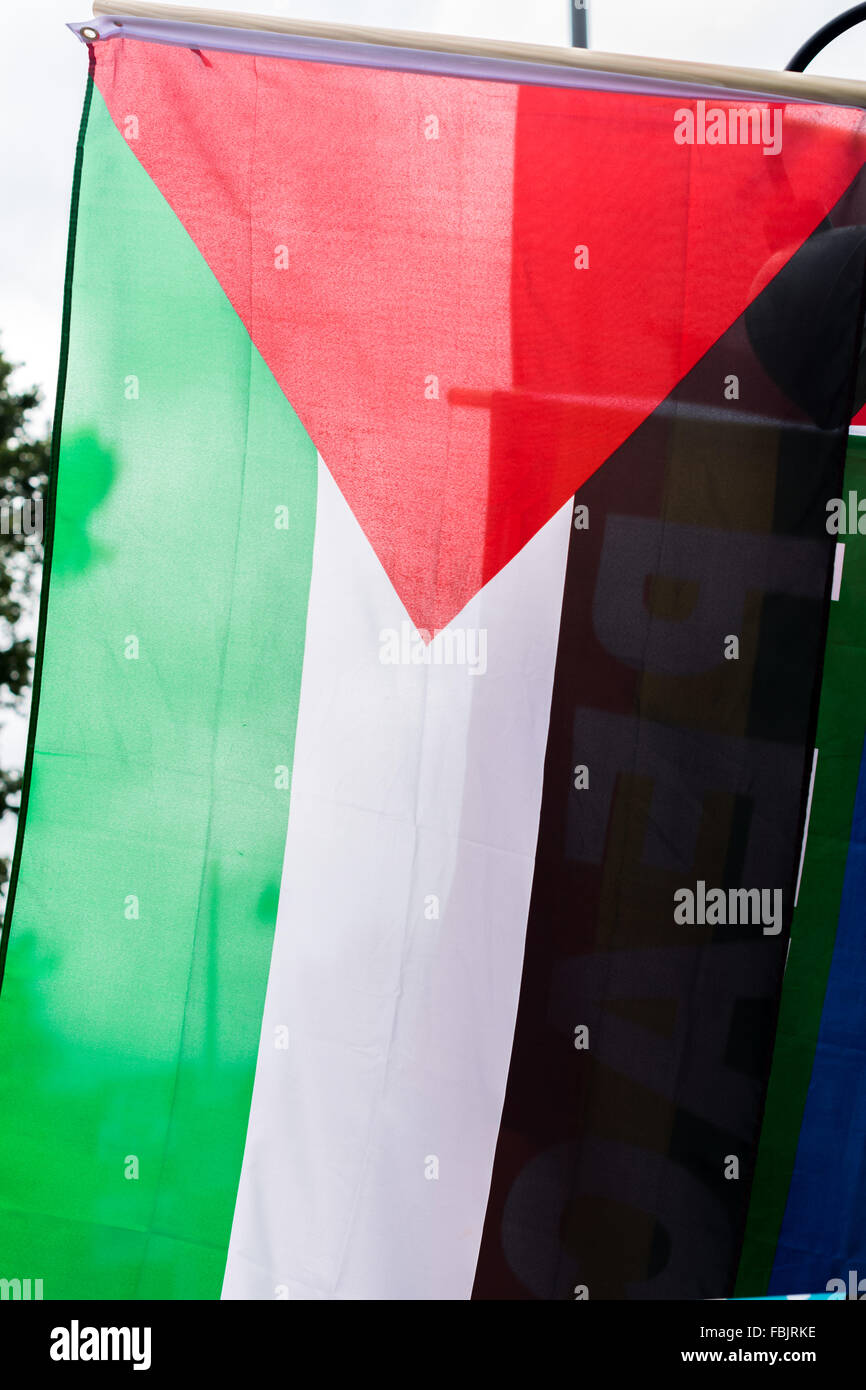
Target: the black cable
pixel 812 47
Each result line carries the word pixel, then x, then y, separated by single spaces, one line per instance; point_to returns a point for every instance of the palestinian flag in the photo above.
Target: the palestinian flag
pixel 429 668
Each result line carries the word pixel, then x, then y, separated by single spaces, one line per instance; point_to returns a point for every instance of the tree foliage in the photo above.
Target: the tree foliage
pixel 23 482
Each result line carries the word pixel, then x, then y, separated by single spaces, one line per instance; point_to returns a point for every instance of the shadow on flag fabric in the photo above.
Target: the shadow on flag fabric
pixel 429 667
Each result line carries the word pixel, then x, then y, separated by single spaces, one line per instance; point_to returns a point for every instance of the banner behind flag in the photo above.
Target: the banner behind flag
pixel 805 1215
pixel 428 675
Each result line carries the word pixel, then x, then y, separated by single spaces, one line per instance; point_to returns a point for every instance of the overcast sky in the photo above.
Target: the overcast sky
pixel 42 75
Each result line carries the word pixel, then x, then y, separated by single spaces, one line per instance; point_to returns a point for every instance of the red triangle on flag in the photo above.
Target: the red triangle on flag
pixel 470 292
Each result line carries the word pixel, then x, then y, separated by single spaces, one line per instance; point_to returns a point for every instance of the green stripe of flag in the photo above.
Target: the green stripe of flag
pixel 154 784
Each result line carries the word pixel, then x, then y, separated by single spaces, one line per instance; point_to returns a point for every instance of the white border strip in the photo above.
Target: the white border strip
pixel 806 826
pixel 838 562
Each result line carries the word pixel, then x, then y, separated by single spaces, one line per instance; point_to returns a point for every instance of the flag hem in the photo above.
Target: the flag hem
pixel 450 55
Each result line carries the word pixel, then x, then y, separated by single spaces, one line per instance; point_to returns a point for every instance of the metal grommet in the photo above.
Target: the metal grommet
pixel 89 34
